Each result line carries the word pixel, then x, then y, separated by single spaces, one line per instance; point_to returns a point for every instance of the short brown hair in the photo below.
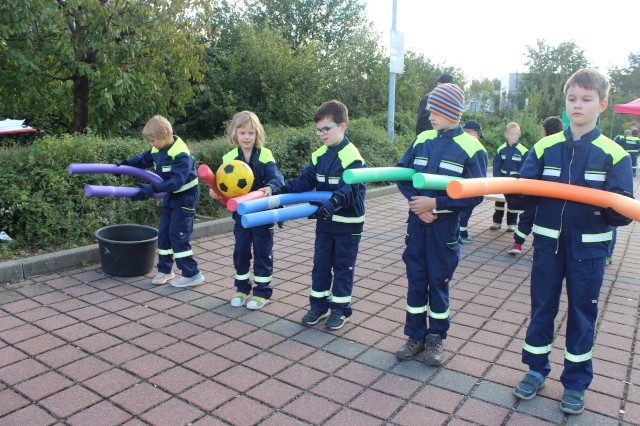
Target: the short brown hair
pixel 333 109
pixel 589 79
pixel 158 127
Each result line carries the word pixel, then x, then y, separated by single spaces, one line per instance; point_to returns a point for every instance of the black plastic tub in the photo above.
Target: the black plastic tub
pixel 127 250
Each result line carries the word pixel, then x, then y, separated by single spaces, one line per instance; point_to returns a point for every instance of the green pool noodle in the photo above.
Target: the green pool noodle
pixel 430 181
pixel 377 174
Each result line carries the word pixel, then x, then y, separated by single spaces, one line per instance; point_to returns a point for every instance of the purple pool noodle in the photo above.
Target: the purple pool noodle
pixel 115 191
pixel 278 215
pixel 281 200
pixel 84 168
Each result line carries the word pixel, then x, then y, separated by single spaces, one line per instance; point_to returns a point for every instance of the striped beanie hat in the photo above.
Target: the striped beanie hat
pixel 447 100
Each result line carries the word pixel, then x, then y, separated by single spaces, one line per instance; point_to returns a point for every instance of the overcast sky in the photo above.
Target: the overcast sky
pixel 489 38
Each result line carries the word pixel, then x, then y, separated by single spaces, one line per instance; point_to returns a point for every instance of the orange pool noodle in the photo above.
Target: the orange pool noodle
pixel 208 177
pixel 626 206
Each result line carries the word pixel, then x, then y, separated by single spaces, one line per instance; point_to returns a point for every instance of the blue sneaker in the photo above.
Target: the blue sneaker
pixel 572 401
pixel 466 239
pixel 336 320
pixel 529 386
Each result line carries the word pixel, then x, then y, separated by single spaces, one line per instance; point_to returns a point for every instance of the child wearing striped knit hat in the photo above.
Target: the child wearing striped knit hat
pixel 432 250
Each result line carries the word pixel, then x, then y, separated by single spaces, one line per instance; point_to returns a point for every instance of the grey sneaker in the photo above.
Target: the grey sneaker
pixel 528 386
pixel 188 281
pixel 511 228
pixel 495 226
pixel 572 401
pixel 162 278
pixel 433 346
pixel 410 349
pixel 336 320
pixel 313 317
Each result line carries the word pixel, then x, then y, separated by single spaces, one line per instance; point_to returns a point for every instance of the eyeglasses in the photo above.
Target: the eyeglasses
pixel 325 130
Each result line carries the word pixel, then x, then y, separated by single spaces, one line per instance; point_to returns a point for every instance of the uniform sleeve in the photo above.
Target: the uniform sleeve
pixel 620 181
pixel 141 161
pixel 305 182
pixel 272 176
pixel 422 122
pixel 406 187
pixel 497 164
pixel 347 194
pixel 531 168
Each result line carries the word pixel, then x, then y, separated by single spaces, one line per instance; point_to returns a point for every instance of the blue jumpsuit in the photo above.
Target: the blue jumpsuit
pixel 175 165
pixel 465 215
pixel 631 144
pixel 265 173
pixel 432 252
pixel 507 162
pixel 571 241
pixel 337 237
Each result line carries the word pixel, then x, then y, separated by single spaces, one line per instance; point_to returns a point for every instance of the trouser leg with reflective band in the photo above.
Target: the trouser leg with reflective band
pixel 335 253
pixel 498 214
pixel 431 256
pixel 176 222
pixel 241 255
pixel 262 238
pixel 512 216
pixel 584 281
pixel 525 223
pixel 464 222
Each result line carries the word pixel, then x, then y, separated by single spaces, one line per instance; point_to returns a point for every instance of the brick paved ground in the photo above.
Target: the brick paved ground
pixel 82 348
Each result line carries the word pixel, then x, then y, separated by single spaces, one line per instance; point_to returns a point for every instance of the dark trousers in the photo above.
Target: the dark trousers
pixel 174 233
pixel 512 215
pixel 261 239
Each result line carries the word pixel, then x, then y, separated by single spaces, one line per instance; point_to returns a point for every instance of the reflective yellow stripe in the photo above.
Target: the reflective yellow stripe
pixel 417 310
pixel 438 315
pixel 344 299
pixel 441 211
pixel 578 358
pixel 520 234
pixel 262 279
pixel 183 254
pixel 537 350
pixel 320 294
pixel 347 219
pixel 597 238
pixel 165 252
pixel 547 232
pixel 187 185
pixel 242 277
pixel 464 228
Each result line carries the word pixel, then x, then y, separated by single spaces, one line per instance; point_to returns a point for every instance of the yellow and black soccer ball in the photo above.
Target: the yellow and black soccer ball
pixel 234 178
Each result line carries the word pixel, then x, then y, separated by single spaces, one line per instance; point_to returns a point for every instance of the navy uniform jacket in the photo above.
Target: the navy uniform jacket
pixel 594 161
pixel 324 173
pixel 173 163
pixel 509 159
pixel 265 171
pixel 449 153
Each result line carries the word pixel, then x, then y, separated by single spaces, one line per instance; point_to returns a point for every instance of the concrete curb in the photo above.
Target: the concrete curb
pixel 21 269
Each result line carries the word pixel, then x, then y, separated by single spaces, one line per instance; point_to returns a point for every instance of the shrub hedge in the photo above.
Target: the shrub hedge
pixel 44 209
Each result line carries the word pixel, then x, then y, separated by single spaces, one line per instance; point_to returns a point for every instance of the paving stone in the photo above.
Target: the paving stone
pixel 208 303
pixel 454 381
pixel 314 337
pixel 345 348
pixel 544 408
pixel 378 359
pixel 494 393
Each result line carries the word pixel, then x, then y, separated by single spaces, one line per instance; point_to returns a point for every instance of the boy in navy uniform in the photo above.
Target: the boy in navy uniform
pixel 571 240
pixel 432 249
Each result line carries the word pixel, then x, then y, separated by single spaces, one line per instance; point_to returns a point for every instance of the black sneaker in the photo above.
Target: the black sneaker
pixel 313 317
pixel 433 346
pixel 336 320
pixel 410 349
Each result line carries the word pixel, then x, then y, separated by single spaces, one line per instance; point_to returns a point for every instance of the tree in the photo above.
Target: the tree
pixel 481 96
pixel 110 62
pixel 625 82
pixel 549 68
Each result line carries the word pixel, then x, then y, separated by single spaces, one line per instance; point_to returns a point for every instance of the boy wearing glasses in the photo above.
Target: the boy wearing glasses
pixel 340 219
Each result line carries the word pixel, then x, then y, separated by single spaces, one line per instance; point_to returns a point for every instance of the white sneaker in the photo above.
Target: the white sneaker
pixel 511 228
pixel 238 299
pixel 162 278
pixel 188 281
pixel 257 302
pixel 495 226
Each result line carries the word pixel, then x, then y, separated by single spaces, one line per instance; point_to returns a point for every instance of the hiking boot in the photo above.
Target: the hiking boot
pixel 188 281
pixel 162 278
pixel 516 249
pixel 257 302
pixel 511 228
pixel 336 320
pixel 529 386
pixel 313 317
pixel 572 401
pixel 495 226
pixel 238 299
pixel 434 350
pixel 410 349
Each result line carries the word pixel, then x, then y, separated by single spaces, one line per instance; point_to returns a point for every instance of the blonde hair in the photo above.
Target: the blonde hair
pixel 244 119
pixel 514 125
pixel 158 127
pixel 589 79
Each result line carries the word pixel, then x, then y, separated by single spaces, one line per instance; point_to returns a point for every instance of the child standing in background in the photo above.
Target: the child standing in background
pixel 173 162
pixel 473 128
pixel 247 134
pixel 509 157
